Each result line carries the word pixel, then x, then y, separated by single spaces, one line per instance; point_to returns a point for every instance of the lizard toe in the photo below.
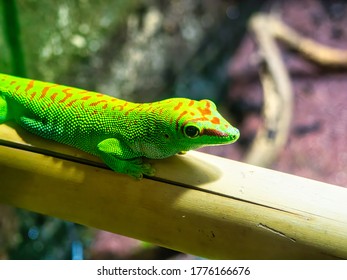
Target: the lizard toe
pixel 147 169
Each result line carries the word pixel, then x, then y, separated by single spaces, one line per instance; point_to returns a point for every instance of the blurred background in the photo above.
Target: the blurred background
pixel 150 50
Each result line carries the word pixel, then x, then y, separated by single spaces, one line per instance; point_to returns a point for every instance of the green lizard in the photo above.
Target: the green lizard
pixel 118 131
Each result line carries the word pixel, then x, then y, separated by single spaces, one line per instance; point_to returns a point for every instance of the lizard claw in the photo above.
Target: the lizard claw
pixel 141 169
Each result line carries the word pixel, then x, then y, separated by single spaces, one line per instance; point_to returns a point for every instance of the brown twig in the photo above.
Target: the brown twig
pixel 278 96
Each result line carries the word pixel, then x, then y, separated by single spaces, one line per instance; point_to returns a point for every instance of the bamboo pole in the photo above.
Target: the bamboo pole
pixel 198 203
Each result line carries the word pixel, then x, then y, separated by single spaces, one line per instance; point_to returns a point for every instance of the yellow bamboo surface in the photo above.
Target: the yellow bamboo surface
pixel 198 203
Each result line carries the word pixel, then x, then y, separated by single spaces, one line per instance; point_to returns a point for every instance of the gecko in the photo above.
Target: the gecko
pixel 120 132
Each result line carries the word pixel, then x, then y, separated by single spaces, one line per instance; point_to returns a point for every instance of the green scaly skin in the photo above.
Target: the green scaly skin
pixel 118 131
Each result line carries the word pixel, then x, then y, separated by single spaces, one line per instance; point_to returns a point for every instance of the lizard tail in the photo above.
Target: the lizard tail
pixel 3 109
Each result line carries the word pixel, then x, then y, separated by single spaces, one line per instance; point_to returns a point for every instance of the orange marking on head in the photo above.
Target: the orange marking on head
pixel 191 103
pixel 179 105
pixel 30 85
pixel 12 82
pixel 179 117
pixel 215 120
pixel 198 120
pixel 192 113
pixel 205 111
pixel 208 103
pixel 105 106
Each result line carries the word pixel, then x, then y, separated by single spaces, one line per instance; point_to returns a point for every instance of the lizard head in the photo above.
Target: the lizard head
pixel 188 124
pixel 200 124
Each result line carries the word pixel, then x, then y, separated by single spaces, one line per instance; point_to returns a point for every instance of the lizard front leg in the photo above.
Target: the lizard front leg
pixel 120 158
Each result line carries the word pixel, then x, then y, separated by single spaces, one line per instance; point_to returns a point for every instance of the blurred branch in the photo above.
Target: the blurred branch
pixel 278 100
pixel 312 50
pixel 278 95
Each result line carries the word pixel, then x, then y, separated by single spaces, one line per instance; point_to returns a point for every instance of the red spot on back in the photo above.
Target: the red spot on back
pixel 67 89
pixel 30 85
pixel 150 108
pixel 53 96
pixel 191 103
pixel 86 97
pixel 32 96
pixel 97 102
pixel 44 91
pixel 134 108
pixel 67 96
pixel 70 103
pixel 12 82
pixel 117 106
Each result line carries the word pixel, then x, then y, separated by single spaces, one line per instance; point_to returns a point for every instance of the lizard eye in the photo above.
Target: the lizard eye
pixel 191 131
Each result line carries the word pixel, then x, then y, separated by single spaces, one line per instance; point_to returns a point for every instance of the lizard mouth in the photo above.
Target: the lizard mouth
pixel 229 136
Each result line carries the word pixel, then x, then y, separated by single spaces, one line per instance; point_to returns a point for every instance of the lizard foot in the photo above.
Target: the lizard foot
pixel 137 169
pixel 120 158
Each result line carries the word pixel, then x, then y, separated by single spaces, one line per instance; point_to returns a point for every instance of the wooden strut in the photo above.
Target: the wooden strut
pixel 197 203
